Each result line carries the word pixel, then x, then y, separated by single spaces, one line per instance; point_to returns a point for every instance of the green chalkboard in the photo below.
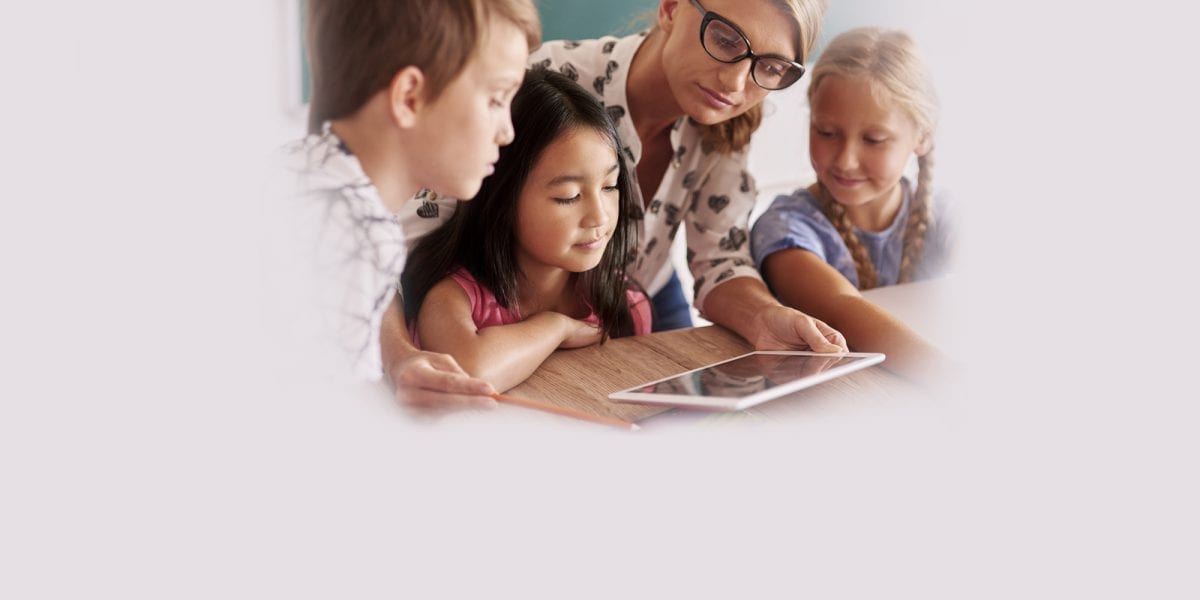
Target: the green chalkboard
pixel 305 74
pixel 586 19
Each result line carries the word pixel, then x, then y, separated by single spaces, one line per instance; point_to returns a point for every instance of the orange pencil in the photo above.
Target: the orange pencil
pixel 566 412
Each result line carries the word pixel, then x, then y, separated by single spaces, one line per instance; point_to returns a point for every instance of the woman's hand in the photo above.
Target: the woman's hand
pixel 744 305
pixel 778 327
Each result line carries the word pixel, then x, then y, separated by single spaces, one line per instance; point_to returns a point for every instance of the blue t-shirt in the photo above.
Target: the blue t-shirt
pixel 796 221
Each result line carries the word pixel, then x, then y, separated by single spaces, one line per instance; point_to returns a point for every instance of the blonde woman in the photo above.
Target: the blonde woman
pixel 863 224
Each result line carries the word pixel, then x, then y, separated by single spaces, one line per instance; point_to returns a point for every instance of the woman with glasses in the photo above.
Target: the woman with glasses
pixel 686 97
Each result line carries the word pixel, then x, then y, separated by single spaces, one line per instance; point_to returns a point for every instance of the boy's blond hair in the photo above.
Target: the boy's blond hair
pixel 356 47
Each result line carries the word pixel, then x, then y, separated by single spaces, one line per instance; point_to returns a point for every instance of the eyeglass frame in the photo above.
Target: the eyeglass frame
pixel 710 16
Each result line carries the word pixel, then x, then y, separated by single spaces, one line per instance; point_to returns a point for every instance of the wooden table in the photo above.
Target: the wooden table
pixel 583 378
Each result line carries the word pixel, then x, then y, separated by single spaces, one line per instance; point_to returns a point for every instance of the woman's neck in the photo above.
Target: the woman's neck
pixel 652 110
pixel 541 288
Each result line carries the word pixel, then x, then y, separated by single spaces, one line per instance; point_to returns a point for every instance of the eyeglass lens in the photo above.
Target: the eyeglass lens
pixel 726 44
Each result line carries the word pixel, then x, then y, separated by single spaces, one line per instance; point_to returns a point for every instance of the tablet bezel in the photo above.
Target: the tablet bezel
pixel 730 403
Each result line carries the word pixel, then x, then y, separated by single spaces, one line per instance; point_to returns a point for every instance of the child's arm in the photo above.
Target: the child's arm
pixel 803 280
pixel 503 355
pixel 425 379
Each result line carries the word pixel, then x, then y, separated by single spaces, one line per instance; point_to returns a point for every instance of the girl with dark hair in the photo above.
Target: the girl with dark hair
pixel 536 261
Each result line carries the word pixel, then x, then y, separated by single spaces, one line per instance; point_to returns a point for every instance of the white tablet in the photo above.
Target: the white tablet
pixel 748 379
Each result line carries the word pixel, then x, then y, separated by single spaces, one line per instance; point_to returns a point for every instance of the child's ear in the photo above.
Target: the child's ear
pixel 924 144
pixel 406 95
pixel 666 14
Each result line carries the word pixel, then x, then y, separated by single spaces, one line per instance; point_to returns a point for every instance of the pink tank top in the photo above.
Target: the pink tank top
pixel 487 312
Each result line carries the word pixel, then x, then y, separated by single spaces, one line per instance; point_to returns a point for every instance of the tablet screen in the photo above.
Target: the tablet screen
pixel 747 380
pixel 747 375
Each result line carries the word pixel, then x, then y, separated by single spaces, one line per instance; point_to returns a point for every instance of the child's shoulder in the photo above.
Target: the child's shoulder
pixel 799 202
pixel 792 220
pixel 462 278
pixel 463 275
pixel 322 161
pixel 333 200
pixel 485 308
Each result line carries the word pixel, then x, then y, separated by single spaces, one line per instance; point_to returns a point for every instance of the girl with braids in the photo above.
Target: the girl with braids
pixel 536 261
pixel 862 224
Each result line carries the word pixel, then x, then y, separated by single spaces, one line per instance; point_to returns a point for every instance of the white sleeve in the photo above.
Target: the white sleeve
pixel 718 225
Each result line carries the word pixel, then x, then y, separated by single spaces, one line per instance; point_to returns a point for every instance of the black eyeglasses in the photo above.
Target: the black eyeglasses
pixel 726 43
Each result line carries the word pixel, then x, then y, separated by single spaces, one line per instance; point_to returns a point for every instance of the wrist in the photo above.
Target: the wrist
pixel 561 323
pixel 740 304
pixel 396 358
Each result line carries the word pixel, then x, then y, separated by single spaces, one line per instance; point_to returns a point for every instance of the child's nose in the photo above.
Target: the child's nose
pixel 505 133
pixel 847 156
pixel 597 215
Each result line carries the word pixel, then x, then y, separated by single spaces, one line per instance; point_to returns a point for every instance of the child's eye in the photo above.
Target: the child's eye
pixel 871 140
pixel 570 200
pixel 823 133
pixel 611 188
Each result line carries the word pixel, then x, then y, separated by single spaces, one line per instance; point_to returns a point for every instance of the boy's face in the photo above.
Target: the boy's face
pixel 462 131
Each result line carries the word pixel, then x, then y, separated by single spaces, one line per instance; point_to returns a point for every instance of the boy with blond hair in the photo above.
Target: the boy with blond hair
pixel 408 95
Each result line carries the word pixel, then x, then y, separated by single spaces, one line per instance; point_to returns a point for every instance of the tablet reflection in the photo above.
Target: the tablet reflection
pixel 746 375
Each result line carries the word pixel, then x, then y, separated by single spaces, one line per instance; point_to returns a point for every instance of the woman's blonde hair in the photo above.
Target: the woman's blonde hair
pixel 734 134
pixel 889 60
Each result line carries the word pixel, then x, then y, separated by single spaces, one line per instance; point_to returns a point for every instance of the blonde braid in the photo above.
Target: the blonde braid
pixel 868 277
pixel 920 214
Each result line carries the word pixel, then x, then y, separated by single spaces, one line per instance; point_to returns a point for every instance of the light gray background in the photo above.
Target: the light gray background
pixel 144 454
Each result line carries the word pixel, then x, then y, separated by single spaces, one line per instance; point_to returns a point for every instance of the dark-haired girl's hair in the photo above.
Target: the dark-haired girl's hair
pixel 481 235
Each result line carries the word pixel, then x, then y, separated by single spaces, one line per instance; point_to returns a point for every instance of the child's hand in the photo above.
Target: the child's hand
pixel 579 334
